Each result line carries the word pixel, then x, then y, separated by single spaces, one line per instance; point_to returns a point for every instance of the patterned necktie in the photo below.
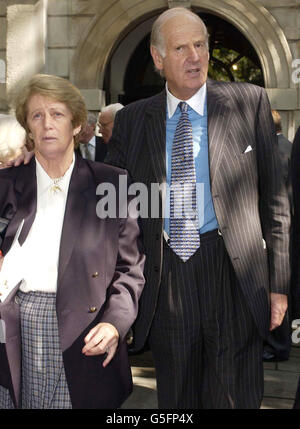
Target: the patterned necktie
pixel 184 225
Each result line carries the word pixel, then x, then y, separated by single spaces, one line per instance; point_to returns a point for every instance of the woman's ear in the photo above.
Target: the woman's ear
pixel 76 130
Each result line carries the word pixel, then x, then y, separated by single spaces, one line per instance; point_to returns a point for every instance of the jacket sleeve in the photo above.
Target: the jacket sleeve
pixel 128 280
pixel 273 199
pixel 295 178
pixel 8 202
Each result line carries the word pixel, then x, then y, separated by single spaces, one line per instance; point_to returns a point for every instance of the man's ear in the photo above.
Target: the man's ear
pixel 157 58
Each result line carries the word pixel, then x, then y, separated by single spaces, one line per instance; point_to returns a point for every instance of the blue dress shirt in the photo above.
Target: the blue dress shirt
pixel 197 110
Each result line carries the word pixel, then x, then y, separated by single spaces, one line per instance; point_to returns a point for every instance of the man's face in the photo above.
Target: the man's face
pixel 106 124
pixel 185 64
pixel 87 133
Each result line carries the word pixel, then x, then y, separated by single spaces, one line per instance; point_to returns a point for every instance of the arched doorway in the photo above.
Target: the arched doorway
pixel 232 58
pixel 110 27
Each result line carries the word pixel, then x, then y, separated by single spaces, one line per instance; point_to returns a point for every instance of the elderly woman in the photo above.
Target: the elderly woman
pixel 70 279
pixel 12 139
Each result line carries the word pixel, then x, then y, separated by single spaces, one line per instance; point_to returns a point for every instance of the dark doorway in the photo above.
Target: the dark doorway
pixel 232 58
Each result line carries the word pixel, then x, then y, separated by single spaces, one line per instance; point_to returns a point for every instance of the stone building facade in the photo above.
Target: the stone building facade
pixel 91 41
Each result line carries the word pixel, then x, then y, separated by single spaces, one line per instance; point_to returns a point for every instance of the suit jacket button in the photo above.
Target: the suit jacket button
pixel 96 274
pixel 92 309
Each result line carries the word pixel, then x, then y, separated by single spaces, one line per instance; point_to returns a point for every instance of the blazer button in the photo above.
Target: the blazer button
pixel 92 309
pixel 96 274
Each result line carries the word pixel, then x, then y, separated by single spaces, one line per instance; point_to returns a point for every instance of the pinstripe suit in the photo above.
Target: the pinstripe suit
pixel 250 204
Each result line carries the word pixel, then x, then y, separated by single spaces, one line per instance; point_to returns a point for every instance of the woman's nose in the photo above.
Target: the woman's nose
pixel 47 121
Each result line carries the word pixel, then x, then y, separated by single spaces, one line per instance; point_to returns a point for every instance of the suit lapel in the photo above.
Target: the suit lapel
pixel 75 208
pixel 26 189
pixel 155 125
pixel 218 121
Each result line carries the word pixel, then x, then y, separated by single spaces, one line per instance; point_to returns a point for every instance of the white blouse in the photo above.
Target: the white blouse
pixel 36 261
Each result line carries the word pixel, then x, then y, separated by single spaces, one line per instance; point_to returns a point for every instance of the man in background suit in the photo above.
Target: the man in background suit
pixel 278 343
pixel 106 120
pixel 295 282
pixel 93 146
pixel 204 319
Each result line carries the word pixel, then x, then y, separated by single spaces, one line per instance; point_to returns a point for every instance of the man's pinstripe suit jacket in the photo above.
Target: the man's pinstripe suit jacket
pixel 249 195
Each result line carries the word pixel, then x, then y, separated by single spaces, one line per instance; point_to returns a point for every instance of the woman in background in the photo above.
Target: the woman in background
pixel 12 139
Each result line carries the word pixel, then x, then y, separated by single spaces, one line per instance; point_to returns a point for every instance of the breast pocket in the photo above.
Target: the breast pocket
pixel 247 156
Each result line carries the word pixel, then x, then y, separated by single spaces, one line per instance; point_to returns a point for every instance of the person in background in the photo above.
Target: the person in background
pixel 277 346
pixel 295 281
pixel 12 139
pixel 106 120
pixel 88 141
pixel 93 146
pixel 71 278
pixel 217 273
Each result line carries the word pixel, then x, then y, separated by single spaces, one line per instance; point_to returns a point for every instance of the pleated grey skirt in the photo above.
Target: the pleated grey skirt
pixel 43 384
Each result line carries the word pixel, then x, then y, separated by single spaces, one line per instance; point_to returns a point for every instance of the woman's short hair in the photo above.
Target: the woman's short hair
pixel 56 88
pixel 12 138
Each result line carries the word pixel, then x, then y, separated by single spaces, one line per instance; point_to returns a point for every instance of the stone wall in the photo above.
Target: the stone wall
pixel 82 35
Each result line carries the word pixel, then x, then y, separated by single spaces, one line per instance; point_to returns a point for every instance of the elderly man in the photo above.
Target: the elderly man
pixel 93 146
pixel 212 270
pixel 106 120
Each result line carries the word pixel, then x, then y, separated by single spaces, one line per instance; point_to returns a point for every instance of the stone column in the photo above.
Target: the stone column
pixel 26 44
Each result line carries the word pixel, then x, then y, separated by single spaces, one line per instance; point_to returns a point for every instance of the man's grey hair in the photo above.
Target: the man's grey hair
pixel 112 109
pixel 91 118
pixel 157 39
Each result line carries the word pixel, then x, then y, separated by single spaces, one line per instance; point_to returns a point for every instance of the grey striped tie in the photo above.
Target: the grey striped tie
pixel 184 225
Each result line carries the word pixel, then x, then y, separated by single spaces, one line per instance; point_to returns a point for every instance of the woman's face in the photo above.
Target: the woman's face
pixel 50 125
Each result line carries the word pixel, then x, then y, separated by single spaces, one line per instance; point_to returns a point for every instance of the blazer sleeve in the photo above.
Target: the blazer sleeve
pixel 273 199
pixel 128 281
pixel 8 200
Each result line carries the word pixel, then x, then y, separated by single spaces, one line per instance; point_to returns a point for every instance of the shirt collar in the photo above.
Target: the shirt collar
pixel 92 142
pixel 44 182
pixel 196 102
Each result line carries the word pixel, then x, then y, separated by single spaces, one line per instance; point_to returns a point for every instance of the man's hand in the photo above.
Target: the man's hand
pixel 24 158
pixel 103 338
pixel 279 304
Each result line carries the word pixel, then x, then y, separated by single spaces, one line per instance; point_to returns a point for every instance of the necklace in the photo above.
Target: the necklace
pixel 55 188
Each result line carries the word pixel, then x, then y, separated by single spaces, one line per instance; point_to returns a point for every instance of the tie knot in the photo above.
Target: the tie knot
pixel 183 106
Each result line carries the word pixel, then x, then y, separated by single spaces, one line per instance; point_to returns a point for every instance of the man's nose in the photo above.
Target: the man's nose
pixel 193 53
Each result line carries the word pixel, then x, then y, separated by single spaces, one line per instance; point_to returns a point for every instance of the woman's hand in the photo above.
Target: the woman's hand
pixel 103 338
